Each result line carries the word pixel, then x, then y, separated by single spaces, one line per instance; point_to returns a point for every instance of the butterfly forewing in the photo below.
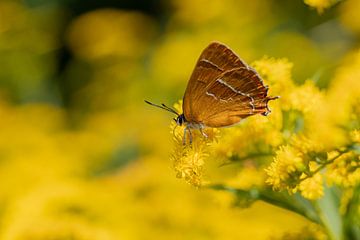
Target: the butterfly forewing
pixel 223 89
pixel 221 57
pixel 213 61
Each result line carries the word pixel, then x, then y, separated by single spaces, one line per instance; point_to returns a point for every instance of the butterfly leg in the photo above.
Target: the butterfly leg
pixel 190 135
pixel 203 133
pixel 184 137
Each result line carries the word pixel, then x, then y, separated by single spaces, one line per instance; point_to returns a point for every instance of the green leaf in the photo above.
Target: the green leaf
pixel 328 209
pixel 294 203
pixel 351 217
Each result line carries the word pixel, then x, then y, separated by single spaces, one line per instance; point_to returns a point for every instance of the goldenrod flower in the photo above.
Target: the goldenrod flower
pixel 306 97
pixel 320 5
pixel 346 105
pixel 348 15
pixel 286 169
pixel 277 73
pixel 355 136
pixel 312 187
pixel 302 135
pixel 188 159
pixel 188 162
pixel 345 170
pixel 306 145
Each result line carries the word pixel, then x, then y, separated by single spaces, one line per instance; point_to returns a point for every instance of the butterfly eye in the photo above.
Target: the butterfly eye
pixel 179 120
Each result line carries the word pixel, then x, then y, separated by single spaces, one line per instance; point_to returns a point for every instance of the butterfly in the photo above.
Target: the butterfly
pixel 222 91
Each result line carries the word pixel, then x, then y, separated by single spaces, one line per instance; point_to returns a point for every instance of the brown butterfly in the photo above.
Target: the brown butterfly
pixel 221 91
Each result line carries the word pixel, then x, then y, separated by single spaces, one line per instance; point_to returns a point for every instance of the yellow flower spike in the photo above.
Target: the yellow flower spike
pixel 287 162
pixel 320 5
pixel 307 97
pixel 312 107
pixel 277 73
pixel 346 77
pixel 344 171
pixel 272 68
pixel 305 144
pixel 355 136
pixel 332 154
pixel 188 160
pixel 312 187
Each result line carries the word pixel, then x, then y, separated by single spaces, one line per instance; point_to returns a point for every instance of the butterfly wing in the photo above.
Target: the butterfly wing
pixel 234 95
pixel 223 89
pixel 213 61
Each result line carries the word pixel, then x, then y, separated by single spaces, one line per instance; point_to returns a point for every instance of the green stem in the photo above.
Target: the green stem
pixel 351 228
pixel 294 203
pixel 253 155
pixel 325 164
pixel 328 211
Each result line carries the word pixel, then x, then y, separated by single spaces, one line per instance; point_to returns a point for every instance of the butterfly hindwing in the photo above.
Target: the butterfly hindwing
pixel 236 94
pixel 223 89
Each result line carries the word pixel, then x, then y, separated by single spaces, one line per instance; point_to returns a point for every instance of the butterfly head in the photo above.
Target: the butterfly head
pixel 180 119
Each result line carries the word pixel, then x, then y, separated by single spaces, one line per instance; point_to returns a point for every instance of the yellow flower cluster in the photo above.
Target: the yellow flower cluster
pixel 188 159
pixel 286 169
pixel 299 145
pixel 355 136
pixel 320 5
pixel 81 156
pixel 312 187
pixel 345 170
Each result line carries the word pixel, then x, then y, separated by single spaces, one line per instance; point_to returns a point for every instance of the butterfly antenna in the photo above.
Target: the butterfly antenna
pixel 169 108
pixel 163 106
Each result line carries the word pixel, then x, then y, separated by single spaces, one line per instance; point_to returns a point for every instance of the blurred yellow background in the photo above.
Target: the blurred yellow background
pixel 82 156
